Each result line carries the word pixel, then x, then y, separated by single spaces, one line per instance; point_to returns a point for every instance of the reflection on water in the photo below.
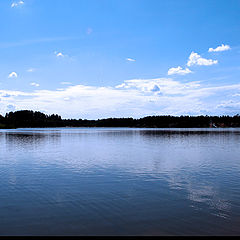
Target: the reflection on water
pixel 119 181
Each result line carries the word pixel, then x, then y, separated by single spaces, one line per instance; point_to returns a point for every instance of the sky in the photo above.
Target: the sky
pixel 94 59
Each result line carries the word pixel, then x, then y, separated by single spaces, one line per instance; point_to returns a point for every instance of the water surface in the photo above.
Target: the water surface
pixel 97 181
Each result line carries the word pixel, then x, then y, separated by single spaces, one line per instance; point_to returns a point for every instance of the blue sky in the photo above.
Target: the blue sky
pixel 120 58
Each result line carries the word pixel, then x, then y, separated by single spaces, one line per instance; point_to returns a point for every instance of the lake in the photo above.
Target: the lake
pixel 119 181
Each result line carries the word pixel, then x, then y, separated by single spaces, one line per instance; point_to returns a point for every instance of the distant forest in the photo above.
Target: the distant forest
pixel 31 119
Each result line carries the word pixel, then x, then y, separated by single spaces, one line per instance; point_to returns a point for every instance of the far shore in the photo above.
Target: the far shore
pixel 31 119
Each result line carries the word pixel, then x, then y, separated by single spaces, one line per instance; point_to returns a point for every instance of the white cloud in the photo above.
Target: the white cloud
pixel 31 70
pixel 35 84
pixel 17 4
pixel 66 83
pixel 59 54
pixel 179 71
pixel 66 99
pixel 196 59
pixel 220 48
pixel 130 60
pixel 133 98
pixel 14 5
pixel 13 75
pixel 229 106
pixel 64 56
pixel 166 86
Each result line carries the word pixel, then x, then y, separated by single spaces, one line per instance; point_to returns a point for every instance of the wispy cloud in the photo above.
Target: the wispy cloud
pixel 66 83
pixel 220 48
pixel 13 75
pixel 17 4
pixel 179 71
pixel 130 60
pixel 30 70
pixel 136 98
pixel 229 106
pixel 35 84
pixel 166 86
pixel 196 59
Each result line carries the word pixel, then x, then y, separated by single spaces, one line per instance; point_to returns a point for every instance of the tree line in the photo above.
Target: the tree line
pixel 32 119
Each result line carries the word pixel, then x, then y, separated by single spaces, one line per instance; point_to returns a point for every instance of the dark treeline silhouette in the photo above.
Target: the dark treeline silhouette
pixel 31 119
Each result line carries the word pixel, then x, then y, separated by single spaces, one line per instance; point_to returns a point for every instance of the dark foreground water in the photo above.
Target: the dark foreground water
pixel 120 182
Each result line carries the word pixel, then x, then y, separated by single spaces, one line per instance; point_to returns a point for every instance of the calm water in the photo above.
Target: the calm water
pixel 119 182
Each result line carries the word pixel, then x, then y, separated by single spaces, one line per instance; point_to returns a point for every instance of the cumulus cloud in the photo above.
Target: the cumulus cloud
pixel 179 71
pixel 59 54
pixel 167 86
pixel 196 59
pixel 133 98
pixel 13 75
pixel 130 60
pixel 35 84
pixel 220 48
pixel 17 4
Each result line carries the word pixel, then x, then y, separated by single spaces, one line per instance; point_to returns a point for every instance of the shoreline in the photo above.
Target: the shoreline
pixel 31 119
